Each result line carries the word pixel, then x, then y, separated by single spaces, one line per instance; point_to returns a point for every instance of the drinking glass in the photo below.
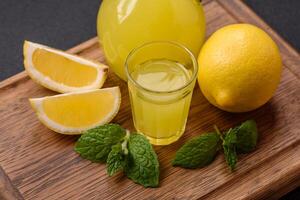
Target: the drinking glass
pixel 161 77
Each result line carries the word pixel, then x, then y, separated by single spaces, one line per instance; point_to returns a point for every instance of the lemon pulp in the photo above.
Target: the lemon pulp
pixel 78 110
pixel 67 70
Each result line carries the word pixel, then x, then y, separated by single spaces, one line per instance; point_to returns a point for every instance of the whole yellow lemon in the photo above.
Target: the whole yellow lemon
pixel 239 68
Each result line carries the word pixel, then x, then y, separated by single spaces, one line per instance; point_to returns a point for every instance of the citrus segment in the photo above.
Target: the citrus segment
pixel 60 71
pixel 44 61
pixel 75 112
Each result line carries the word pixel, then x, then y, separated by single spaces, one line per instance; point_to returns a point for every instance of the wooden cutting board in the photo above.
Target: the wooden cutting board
pixel 41 164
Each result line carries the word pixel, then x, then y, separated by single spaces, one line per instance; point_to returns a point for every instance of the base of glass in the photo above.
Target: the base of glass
pixel 162 141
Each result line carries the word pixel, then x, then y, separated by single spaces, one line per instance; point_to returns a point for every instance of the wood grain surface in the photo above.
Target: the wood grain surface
pixel 43 165
pixel 7 190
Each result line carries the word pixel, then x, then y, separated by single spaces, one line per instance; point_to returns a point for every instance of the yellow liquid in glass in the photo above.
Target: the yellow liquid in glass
pixel 126 24
pixel 160 116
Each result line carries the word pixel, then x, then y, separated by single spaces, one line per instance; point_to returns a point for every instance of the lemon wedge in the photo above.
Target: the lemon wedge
pixel 61 71
pixel 75 112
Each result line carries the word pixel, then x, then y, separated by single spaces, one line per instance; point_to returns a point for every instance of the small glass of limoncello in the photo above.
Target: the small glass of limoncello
pixel 161 77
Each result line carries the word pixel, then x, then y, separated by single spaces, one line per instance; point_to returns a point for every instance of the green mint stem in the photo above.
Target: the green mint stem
pixel 218 132
pixel 124 143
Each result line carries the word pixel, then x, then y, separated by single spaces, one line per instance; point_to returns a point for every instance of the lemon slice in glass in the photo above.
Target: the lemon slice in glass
pixel 72 113
pixel 61 71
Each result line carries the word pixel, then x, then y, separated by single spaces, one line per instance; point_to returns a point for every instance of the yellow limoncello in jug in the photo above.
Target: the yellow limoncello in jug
pixel 126 24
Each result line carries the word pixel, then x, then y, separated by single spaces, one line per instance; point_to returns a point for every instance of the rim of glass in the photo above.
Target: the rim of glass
pixel 194 61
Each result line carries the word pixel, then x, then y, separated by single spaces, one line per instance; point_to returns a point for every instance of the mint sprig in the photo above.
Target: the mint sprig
pixel 131 153
pixel 134 155
pixel 95 144
pixel 201 150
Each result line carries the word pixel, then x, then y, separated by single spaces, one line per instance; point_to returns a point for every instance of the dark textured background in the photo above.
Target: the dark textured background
pixel 66 23
pixel 282 15
pixel 58 23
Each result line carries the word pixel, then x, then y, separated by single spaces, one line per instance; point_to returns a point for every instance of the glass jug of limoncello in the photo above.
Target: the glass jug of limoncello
pixel 126 24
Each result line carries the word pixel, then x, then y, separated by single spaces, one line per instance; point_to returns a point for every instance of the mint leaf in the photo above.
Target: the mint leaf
pixel 116 160
pixel 246 137
pixel 198 152
pixel 95 144
pixel 143 166
pixel 229 147
pixel 241 139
